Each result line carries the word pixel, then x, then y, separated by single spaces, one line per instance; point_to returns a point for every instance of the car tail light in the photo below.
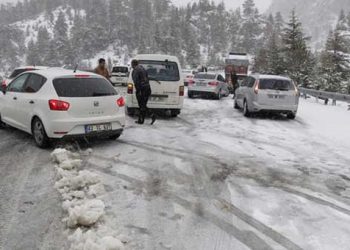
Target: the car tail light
pixel 213 83
pixel 182 91
pixel 57 105
pixel 121 102
pixel 3 84
pixel 256 88
pixel 130 88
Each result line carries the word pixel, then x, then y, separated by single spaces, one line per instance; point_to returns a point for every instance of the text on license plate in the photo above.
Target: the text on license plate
pixel 98 128
pixel 276 96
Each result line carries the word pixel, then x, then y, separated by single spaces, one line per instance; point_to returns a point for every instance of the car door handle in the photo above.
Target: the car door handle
pixel 15 98
pixel 31 102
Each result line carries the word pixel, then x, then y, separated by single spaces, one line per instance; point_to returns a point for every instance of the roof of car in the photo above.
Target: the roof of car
pixel 32 67
pixel 156 57
pixel 263 76
pixel 60 72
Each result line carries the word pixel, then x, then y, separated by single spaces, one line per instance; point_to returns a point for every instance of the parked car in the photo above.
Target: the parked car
pixel 58 103
pixel 120 75
pixel 267 93
pixel 18 71
pixel 166 82
pixel 208 84
pixel 188 76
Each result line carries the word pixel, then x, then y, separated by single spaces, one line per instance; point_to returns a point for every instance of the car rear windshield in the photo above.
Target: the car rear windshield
pixel 276 84
pixel 205 76
pixel 120 70
pixel 161 70
pixel 16 72
pixel 83 87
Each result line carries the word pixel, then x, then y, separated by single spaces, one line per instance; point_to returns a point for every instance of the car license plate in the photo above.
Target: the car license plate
pixel 98 128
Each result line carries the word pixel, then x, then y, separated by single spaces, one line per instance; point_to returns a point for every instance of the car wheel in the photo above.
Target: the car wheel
pixel 114 137
pixel 175 113
pixel 236 105
pixel 219 96
pixel 246 112
pixel 190 94
pixel 130 111
pixel 39 134
pixel 291 116
pixel 2 125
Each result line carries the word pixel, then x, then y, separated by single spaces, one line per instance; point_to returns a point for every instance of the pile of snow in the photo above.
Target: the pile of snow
pixel 80 190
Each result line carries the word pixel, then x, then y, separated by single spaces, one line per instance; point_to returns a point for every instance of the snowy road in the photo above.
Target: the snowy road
pixel 210 179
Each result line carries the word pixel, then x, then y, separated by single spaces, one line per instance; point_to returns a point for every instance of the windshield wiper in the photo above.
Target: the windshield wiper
pixel 154 79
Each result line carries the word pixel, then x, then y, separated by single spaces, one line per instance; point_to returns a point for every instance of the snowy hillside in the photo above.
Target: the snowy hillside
pixel 318 16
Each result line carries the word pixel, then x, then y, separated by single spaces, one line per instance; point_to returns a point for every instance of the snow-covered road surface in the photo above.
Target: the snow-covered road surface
pixel 209 179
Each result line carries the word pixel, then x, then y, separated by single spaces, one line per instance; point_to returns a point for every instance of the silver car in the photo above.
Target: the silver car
pixel 208 84
pixel 267 93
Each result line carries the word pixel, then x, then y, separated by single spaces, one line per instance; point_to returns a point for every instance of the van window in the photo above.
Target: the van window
pixel 120 70
pixel 205 76
pixel 276 84
pixel 161 70
pixel 83 87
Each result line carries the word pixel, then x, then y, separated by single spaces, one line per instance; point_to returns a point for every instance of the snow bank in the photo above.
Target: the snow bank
pixel 80 190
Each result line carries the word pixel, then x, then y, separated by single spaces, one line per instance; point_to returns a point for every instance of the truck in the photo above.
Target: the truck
pixel 239 63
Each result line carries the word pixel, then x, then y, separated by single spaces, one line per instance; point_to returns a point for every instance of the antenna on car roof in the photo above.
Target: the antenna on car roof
pixel 75 68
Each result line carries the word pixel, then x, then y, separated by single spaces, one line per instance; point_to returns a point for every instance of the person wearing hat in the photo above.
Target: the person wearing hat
pixel 101 69
pixel 143 91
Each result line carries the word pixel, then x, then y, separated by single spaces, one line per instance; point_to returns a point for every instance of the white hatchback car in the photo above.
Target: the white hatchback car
pixel 59 103
pixel 267 93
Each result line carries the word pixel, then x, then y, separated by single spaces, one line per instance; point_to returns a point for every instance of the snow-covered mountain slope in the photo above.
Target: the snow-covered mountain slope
pixel 31 27
pixel 317 16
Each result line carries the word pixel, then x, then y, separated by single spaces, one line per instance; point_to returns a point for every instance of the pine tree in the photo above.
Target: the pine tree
pixel 296 53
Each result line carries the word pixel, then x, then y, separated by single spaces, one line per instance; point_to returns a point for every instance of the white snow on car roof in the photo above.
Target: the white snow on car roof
pixel 156 57
pixel 32 67
pixel 271 77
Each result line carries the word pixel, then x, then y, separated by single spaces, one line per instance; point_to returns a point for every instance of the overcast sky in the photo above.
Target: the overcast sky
pixel 262 4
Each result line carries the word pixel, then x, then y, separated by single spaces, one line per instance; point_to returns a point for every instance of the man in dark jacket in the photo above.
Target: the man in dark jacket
pixel 143 91
pixel 234 80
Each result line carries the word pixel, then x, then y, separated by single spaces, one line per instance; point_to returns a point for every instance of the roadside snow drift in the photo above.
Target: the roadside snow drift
pixel 80 190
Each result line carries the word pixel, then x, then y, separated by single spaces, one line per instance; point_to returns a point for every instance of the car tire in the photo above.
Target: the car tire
pixel 114 137
pixel 39 134
pixel 190 94
pixel 2 124
pixel 291 116
pixel 236 105
pixel 130 111
pixel 175 113
pixel 219 96
pixel 246 112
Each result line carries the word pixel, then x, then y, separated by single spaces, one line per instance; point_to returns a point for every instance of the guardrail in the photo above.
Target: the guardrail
pixel 324 95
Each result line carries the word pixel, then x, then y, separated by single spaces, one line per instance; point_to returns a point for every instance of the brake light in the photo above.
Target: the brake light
pixel 130 88
pixel 82 76
pixel 182 91
pixel 256 88
pixel 213 83
pixel 57 105
pixel 3 84
pixel 121 102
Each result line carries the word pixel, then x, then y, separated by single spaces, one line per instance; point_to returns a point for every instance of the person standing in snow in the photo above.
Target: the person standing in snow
pixel 234 81
pixel 143 91
pixel 101 69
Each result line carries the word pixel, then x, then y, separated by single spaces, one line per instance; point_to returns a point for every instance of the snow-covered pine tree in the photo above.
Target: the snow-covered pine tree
pixel 296 53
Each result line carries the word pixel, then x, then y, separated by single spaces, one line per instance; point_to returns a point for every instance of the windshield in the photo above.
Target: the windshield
pixel 205 76
pixel 82 87
pixel 276 84
pixel 120 70
pixel 17 72
pixel 162 70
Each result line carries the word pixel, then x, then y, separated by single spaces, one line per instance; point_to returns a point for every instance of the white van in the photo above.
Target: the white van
pixel 120 75
pixel 166 82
